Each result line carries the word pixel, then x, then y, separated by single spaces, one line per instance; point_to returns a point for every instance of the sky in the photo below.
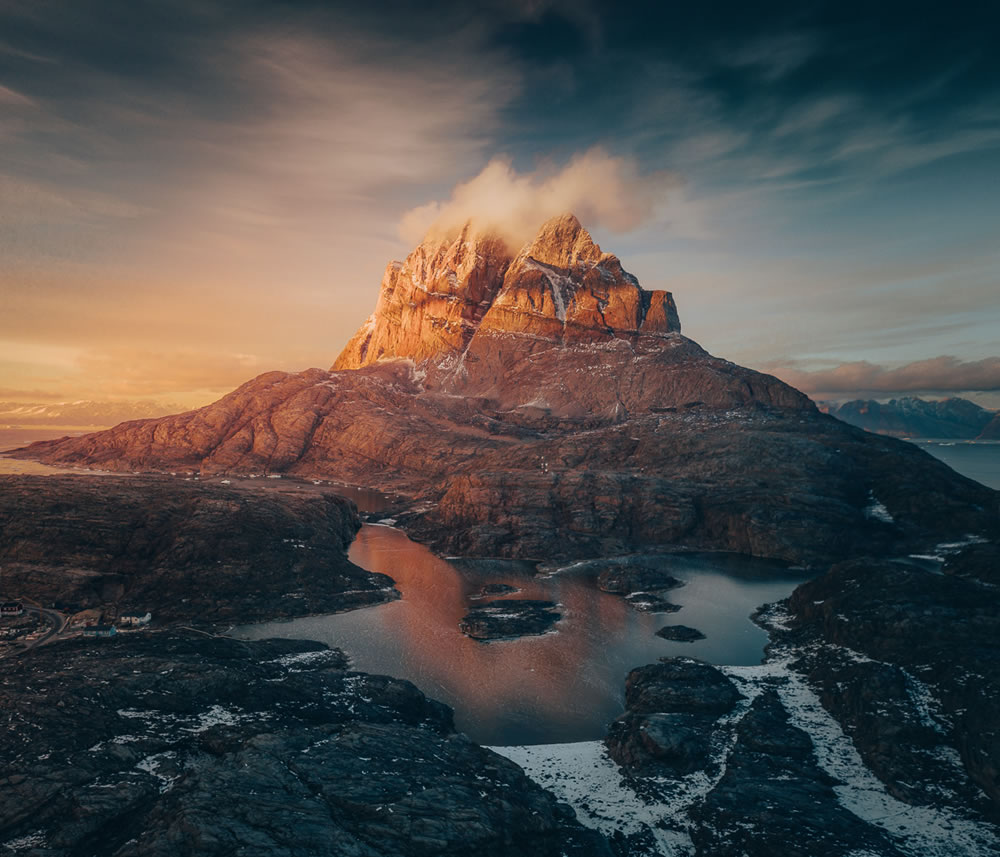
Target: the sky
pixel 196 191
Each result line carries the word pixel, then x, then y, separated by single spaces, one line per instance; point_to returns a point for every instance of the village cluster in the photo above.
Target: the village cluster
pixel 23 625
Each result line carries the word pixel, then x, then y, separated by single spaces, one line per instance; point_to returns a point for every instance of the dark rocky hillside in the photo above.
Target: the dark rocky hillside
pixel 869 729
pixel 209 554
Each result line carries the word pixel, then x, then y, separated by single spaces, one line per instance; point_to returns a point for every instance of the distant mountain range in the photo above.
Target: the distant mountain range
pixel 956 419
pixel 81 413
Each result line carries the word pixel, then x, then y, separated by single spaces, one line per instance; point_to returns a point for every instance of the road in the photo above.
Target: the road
pixel 57 622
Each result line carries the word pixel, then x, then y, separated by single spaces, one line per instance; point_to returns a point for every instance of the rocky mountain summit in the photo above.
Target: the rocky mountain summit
pixel 539 403
pixel 456 297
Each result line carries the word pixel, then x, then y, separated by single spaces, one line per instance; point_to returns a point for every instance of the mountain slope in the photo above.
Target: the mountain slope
pixel 992 429
pixel 542 403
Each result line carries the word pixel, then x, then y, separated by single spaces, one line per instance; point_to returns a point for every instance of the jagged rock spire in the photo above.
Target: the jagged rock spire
pixel 559 288
pixel 432 303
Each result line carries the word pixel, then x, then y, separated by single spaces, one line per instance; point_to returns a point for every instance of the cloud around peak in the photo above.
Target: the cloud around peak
pixel 603 190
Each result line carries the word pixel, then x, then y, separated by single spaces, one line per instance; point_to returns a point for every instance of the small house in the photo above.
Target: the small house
pixel 11 608
pixel 134 620
pixel 100 631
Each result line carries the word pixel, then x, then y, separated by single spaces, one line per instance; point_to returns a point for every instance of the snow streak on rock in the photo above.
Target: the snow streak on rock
pixel 923 831
pixel 652 812
pixel 583 776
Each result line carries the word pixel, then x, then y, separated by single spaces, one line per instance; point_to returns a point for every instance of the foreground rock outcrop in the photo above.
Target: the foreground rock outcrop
pixel 540 403
pixel 908 661
pixel 209 554
pixel 180 743
pixel 671 709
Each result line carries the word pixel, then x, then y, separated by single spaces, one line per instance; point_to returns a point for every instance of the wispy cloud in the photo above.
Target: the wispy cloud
pixel 138 372
pixel 16 394
pixel 9 96
pixel 75 412
pixel 773 56
pixel 302 126
pixel 182 227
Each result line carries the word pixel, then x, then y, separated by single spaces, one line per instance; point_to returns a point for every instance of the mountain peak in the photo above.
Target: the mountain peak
pixel 562 242
pixel 431 303
pixel 566 223
pixel 444 263
pixel 559 289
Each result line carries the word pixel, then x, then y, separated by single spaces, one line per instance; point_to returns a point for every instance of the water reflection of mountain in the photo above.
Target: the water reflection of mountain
pixel 561 686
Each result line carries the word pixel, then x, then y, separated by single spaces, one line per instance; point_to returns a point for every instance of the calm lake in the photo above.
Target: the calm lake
pixel 562 686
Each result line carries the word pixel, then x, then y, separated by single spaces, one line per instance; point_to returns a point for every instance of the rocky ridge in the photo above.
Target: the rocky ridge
pixel 540 403
pixel 906 659
pixel 992 429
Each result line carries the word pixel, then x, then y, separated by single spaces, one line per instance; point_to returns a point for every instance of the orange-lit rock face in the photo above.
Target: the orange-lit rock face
pixel 560 288
pixel 432 303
